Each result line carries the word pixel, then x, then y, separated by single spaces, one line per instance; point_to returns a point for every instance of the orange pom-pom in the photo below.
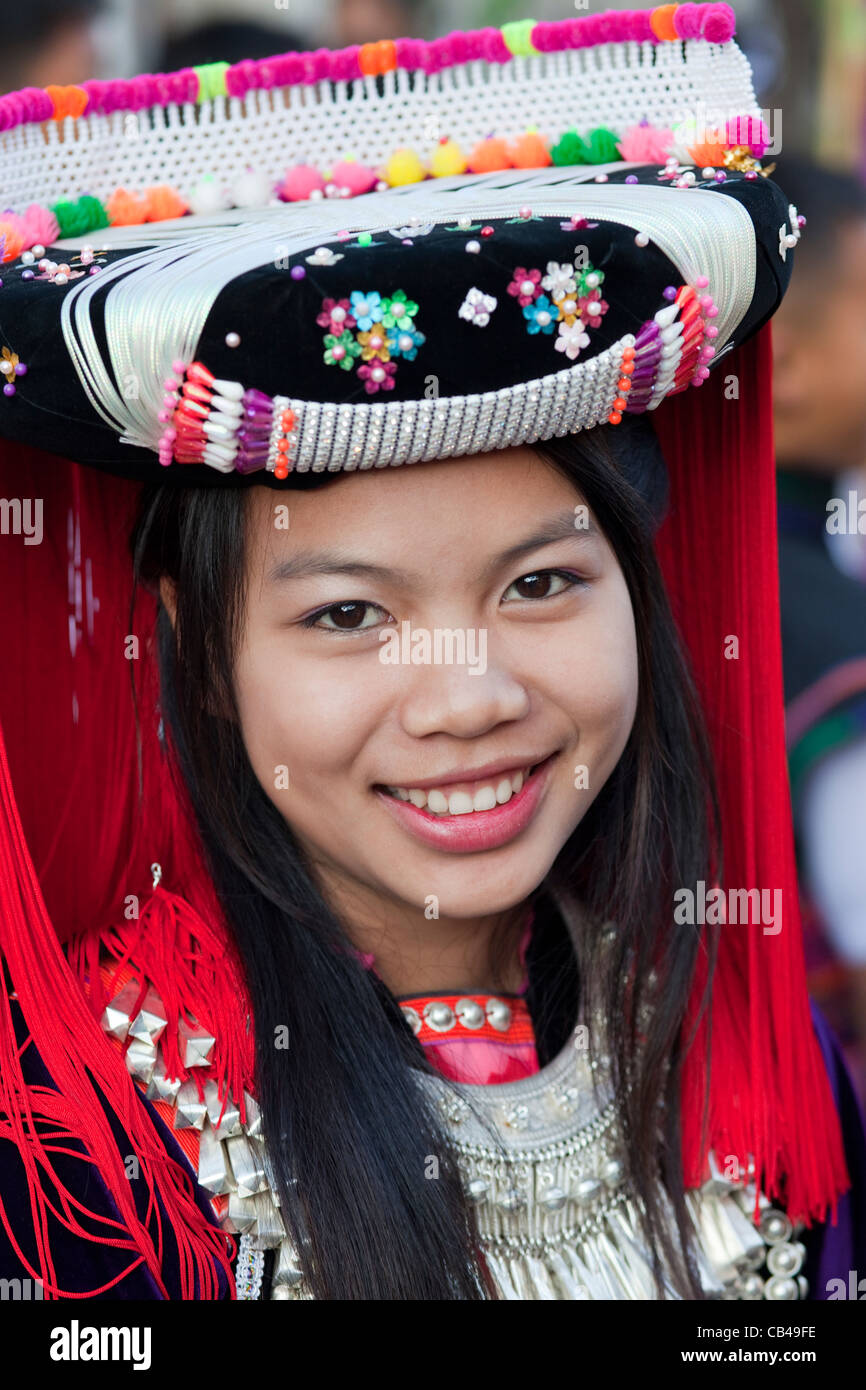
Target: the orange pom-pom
pixel 662 22
pixel 164 202
pixel 529 152
pixel 708 153
pixel 13 240
pixel 67 101
pixel 125 209
pixel 376 58
pixel 489 156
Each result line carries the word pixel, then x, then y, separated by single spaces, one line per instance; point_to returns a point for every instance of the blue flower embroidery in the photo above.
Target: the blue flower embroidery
pixel 541 315
pixel 367 308
pixel 405 342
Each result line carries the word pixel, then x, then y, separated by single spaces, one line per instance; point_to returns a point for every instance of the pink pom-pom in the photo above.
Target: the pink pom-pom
pixel 344 63
pixel 640 29
pixel 543 36
pixel 748 130
pixel 687 21
pixel 316 65
pixel 410 53
pixel 494 47
pixel 239 78
pixel 591 31
pixel 41 227
pixel 645 144
pixel 358 178
pixel 459 48
pixel 299 183
pixel 719 23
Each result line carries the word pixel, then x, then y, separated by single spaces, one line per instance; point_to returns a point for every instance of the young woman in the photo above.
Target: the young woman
pixel 463 971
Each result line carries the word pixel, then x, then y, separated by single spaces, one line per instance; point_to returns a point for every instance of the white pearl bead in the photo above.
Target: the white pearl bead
pixel 464 222
pixel 233 340
pixel 708 173
pixel 27 257
pixel 527 287
pixel 378 374
pixel 474 247
pixel 641 239
pixel 38 251
pixel 543 318
pixel 61 279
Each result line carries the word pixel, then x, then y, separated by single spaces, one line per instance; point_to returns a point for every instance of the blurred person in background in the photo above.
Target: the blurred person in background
pixel 820 426
pixel 48 41
pixel 365 21
pixel 225 41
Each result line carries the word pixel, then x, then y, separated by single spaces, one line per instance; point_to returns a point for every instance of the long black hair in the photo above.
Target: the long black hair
pixel 348 1128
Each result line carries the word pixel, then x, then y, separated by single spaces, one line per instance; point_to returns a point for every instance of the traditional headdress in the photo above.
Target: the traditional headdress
pixel 490 239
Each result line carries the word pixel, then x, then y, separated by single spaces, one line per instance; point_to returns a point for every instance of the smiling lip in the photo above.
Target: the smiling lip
pixel 475 830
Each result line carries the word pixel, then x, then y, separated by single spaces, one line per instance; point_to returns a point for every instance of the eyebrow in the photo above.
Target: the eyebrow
pixel 309 562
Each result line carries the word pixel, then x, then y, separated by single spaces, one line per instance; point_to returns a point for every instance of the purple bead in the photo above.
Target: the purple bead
pixel 669 293
pixel 631 178
pixel 95 269
pixel 9 389
pixel 253 398
pixel 721 176
pixel 27 274
pixel 21 369
pixel 298 272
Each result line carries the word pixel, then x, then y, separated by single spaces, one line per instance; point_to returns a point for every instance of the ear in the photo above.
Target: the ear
pixel 168 597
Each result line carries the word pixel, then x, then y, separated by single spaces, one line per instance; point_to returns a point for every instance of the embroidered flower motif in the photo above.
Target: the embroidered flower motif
pixel 526 285
pixel 673 171
pixel 592 309
pixel 340 351
pixel 405 342
pixel 422 229
pixel 477 307
pixel 374 344
pixel 11 367
pixel 541 316
pixel 398 311
pixel 323 255
pixel 559 280
pixel 572 337
pixel 569 309
pixel 589 279
pixel 378 376
pixel 335 316
pixel 367 308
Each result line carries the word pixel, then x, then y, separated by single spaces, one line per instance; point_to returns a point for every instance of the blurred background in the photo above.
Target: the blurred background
pixel 809 63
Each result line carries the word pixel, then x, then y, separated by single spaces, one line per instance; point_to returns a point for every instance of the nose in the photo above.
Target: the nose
pixel 454 699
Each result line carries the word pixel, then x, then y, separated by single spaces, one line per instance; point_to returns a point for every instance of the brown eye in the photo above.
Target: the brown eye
pixel 345 617
pixel 541 584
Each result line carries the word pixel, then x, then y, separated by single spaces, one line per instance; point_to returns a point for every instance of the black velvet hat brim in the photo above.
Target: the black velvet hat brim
pixel 280 350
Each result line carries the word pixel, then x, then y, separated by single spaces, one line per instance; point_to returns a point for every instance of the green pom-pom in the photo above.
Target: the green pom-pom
pixel 77 218
pixel 211 80
pixel 518 37
pixel 569 149
pixel 601 146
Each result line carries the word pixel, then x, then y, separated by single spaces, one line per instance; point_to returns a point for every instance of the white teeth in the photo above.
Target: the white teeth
pixel 484 798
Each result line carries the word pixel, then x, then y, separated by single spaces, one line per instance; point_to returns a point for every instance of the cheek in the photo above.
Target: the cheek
pixel 599 683
pixel 300 713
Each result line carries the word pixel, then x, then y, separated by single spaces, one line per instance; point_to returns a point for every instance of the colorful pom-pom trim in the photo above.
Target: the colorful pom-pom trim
pixel 713 23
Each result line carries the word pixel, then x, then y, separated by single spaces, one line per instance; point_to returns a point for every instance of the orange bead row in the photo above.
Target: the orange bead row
pixel 287 424
pixel 623 386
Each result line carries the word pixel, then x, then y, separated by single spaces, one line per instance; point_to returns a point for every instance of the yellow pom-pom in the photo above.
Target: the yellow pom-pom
pixel 447 158
pixel 404 166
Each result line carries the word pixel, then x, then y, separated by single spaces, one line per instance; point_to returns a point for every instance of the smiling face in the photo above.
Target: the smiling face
pixel 488 549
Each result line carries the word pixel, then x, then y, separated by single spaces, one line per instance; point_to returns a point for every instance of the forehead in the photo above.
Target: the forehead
pixel 483 494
